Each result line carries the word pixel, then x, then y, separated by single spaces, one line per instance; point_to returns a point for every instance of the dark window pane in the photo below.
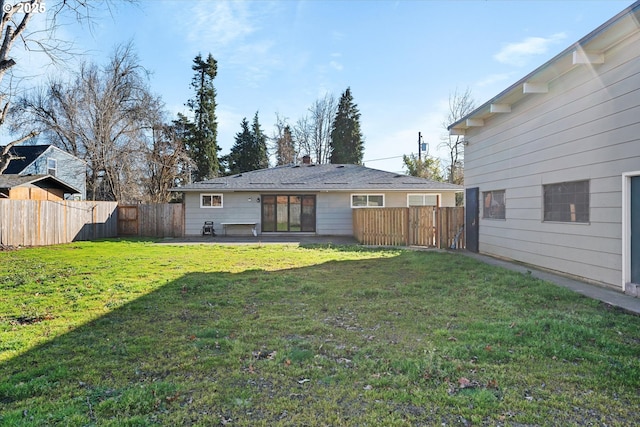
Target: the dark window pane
pixel 566 202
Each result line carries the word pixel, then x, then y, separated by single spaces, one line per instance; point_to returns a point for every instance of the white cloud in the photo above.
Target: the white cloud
pixel 231 31
pixel 336 65
pixel 218 24
pixel 518 54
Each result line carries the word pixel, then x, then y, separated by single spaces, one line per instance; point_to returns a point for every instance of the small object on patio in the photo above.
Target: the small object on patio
pixel 207 228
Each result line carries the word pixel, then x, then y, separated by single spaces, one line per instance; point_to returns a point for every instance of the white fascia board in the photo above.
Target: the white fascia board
pixel 535 88
pixel 586 57
pixel 500 108
pixel 475 122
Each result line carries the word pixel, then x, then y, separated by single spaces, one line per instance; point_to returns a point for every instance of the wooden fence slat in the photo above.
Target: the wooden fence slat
pixel 46 222
pixel 151 220
pixel 418 225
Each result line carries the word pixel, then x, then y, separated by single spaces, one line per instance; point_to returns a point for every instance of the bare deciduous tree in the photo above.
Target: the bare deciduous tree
pixel 168 163
pixel 313 131
pixel 14 22
pixel 283 143
pixel 460 104
pixel 104 117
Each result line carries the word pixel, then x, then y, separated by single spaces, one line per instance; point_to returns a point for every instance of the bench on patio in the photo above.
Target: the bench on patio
pixel 253 226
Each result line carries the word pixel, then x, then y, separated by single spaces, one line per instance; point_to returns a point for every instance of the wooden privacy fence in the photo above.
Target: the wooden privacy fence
pixel 42 222
pixel 152 220
pixel 414 226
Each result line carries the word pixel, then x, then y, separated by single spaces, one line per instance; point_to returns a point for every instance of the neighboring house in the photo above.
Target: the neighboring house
pixel 34 187
pixel 49 160
pixel 552 163
pixel 304 198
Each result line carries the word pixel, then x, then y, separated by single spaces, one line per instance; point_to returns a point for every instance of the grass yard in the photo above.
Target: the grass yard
pixel 132 333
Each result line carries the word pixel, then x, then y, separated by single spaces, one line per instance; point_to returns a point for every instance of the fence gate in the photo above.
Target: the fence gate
pixel 422 229
pixel 127 220
pixel 426 226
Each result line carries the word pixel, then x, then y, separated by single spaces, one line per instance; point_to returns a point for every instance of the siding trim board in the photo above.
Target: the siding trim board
pixel 626 229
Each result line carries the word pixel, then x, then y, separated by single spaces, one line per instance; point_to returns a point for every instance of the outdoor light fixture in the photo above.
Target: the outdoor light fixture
pixel 258 199
pixel 249 199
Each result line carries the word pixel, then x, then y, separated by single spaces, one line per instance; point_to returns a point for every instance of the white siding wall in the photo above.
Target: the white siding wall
pixel 333 214
pixel 586 128
pixel 333 211
pixel 236 208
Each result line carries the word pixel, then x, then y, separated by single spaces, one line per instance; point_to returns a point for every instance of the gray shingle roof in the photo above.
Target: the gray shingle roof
pixel 310 177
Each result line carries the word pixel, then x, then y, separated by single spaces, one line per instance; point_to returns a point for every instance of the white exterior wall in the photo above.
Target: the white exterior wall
pixel 333 210
pixel 587 127
pixel 333 214
pixel 235 208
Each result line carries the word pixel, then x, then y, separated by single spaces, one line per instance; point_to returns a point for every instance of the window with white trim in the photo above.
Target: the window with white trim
pixel 210 200
pixel 422 200
pixel 566 202
pixel 52 166
pixel 494 204
pixel 367 200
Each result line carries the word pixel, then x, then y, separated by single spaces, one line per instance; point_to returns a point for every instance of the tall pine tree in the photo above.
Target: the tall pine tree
pixel 285 147
pixel 259 155
pixel 347 145
pixel 202 140
pixel 249 152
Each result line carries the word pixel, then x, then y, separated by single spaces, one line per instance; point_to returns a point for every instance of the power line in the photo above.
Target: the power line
pixel 384 158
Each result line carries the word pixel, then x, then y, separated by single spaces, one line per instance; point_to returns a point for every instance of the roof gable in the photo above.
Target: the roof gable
pixel 29 154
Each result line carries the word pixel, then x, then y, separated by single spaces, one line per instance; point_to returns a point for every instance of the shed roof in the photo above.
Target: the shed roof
pixel 588 50
pixel 311 177
pixel 10 181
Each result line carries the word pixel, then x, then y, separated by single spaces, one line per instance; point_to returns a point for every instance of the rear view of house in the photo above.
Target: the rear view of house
pixel 304 198
pixel 552 163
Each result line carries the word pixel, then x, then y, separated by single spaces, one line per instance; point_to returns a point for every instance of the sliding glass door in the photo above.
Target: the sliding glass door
pixel 288 213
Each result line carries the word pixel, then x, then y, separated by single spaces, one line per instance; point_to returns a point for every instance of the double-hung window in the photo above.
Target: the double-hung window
pixel 422 200
pixel 52 166
pixel 367 200
pixel 211 200
pixel 566 202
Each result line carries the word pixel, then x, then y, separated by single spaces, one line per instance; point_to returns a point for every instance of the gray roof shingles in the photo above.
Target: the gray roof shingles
pixel 311 177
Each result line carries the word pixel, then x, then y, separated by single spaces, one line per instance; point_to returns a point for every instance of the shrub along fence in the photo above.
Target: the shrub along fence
pixel 42 222
pixel 414 226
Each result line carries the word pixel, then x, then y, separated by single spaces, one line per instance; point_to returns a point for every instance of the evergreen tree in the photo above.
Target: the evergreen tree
pixel 202 139
pixel 249 152
pixel 285 147
pixel 259 156
pixel 347 145
pixel 236 160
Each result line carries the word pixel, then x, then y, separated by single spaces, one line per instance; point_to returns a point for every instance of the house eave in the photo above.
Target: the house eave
pixel 588 51
pixel 314 189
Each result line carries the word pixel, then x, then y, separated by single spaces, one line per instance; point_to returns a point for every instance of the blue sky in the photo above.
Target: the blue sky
pixel 402 59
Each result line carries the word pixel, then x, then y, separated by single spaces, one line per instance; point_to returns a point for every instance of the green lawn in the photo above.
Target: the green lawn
pixel 132 333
